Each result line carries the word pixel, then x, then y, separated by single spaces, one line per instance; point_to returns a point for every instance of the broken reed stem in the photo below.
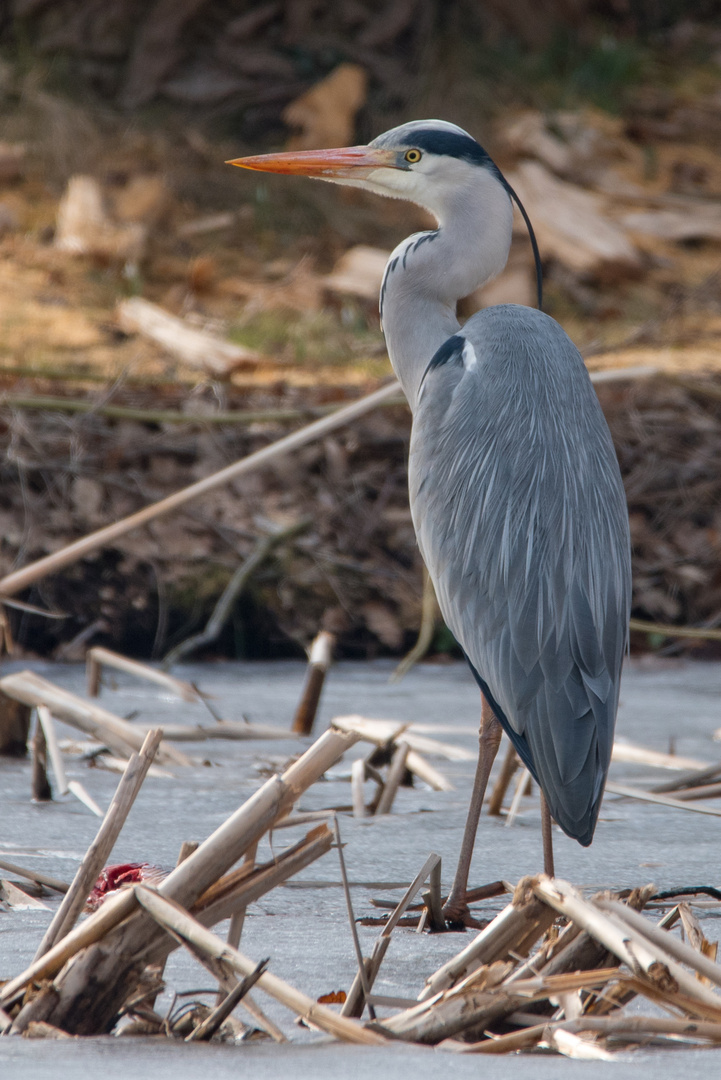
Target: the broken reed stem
pixel 624 941
pixel 221 1012
pixel 56 758
pixel 50 564
pixel 510 764
pixel 685 954
pixel 495 941
pixel 97 854
pixel 660 800
pixel 357 779
pixel 93 989
pixel 319 660
pixel 35 875
pixel 98 657
pixel 669 631
pixel 396 772
pixel 40 785
pixel 176 920
pixel 118 734
pixel 224 606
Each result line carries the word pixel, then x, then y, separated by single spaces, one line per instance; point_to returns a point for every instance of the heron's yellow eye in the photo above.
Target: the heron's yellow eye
pixel 413 156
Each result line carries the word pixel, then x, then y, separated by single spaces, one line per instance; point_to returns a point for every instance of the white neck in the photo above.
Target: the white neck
pixel 429 272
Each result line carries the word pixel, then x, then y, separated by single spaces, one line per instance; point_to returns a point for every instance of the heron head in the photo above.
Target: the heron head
pixel 429 162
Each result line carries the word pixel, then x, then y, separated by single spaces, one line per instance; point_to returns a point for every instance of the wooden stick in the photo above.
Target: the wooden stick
pixel 224 605
pixel 703 791
pixel 691 779
pixel 222 1011
pixel 35 875
pixel 118 734
pixel 661 800
pixel 20 579
pixel 396 771
pixel 319 660
pixel 174 918
pixel 82 795
pixel 98 656
pixel 56 758
pixel 636 1027
pixel 97 854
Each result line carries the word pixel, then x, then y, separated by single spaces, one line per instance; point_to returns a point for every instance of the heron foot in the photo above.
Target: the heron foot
pixel 457 916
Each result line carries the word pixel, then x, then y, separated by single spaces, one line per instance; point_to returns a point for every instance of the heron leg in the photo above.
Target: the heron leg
pixel 546 831
pixel 456 911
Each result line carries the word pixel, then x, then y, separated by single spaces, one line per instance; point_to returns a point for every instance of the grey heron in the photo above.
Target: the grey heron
pixel 515 489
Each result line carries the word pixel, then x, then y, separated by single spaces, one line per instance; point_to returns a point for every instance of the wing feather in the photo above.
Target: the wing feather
pixel 521 518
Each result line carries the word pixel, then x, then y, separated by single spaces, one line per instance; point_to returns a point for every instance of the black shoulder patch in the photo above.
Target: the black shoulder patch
pixel 450 352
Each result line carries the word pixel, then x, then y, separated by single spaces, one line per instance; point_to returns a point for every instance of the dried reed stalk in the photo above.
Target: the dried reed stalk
pixel 118 734
pixel 98 656
pixel 97 854
pixel 175 919
pixel 319 660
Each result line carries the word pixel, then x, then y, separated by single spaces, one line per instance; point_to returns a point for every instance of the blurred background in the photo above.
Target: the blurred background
pixel 163 314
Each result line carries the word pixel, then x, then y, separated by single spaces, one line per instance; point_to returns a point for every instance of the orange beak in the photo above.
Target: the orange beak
pixel 352 162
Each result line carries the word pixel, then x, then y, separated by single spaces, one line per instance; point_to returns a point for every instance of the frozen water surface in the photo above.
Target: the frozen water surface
pixel 303 926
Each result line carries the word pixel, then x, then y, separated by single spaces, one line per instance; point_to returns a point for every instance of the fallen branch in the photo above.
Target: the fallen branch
pixel 20 579
pixel 660 800
pixel 224 606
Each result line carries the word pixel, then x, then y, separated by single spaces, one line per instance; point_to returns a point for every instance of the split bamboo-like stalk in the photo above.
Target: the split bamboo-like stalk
pixel 119 735
pixel 319 660
pixel 98 656
pixel 20 579
pixel 97 854
pixel 685 954
pixel 95 986
pixel 174 918
pixel 423 769
pixel 633 949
